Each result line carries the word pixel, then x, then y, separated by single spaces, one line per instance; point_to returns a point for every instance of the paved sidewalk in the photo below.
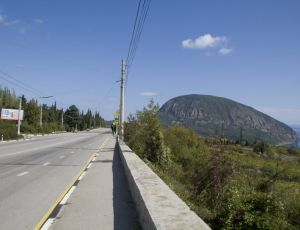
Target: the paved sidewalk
pixel 102 199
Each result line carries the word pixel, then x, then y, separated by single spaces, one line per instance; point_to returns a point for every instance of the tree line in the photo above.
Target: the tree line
pixel 53 119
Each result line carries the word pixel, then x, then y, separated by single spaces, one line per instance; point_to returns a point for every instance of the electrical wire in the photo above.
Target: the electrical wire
pixel 19 86
pixel 141 23
pixel 142 13
pixel 133 32
pixel 139 27
pixel 12 80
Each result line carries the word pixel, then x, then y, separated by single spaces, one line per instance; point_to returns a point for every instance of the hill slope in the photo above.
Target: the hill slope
pixel 210 115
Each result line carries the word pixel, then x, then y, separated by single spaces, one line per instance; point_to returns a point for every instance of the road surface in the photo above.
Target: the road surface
pixel 34 173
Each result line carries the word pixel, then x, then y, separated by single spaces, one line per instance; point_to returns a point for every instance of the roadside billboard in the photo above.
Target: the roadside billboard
pixel 11 114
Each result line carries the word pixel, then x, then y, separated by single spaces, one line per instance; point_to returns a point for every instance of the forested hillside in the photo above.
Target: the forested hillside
pixel 230 185
pixel 52 116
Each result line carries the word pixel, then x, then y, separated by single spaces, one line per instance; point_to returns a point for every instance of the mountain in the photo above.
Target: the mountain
pixel 211 115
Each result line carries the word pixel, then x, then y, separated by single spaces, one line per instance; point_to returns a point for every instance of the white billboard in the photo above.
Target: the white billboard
pixel 11 114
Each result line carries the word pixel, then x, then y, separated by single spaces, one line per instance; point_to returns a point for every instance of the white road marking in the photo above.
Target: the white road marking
pixel 22 174
pixel 47 163
pixel 48 223
pixel 40 148
pixel 89 165
pixel 67 196
pixel 61 157
pixel 82 175
pixel 72 152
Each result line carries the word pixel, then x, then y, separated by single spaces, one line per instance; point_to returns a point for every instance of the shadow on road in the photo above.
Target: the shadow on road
pixel 125 214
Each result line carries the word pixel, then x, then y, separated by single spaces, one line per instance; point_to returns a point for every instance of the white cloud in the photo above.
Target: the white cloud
pixel 225 51
pixel 39 21
pixel 148 94
pixel 2 18
pixel 5 22
pixel 203 42
pixel 11 23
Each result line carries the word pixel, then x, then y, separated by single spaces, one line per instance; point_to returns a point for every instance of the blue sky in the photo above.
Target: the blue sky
pixel 247 51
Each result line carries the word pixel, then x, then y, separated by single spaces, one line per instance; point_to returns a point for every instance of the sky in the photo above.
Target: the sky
pixel 247 51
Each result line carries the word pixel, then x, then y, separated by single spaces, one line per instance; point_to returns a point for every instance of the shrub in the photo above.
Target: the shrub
pixel 143 134
pixel 254 210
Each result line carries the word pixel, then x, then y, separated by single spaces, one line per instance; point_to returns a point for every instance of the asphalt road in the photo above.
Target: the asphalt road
pixel 34 173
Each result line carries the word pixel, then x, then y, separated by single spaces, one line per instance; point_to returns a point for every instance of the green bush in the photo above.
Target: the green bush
pixel 144 135
pixel 8 129
pixel 253 210
pixel 260 147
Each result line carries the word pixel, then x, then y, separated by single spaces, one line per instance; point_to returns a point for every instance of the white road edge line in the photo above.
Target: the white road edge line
pixel 67 196
pixel 47 163
pixel 48 223
pixel 89 166
pixel 22 174
pixel 82 175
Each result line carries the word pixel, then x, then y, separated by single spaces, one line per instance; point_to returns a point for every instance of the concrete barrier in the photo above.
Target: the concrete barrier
pixel 158 206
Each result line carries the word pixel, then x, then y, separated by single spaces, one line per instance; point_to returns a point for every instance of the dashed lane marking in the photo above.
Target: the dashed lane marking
pixel 47 163
pixel 22 174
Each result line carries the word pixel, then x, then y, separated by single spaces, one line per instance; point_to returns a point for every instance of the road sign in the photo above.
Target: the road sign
pixel 116 114
pixel 11 114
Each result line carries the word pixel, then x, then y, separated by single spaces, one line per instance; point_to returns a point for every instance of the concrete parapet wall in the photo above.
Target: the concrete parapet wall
pixel 158 206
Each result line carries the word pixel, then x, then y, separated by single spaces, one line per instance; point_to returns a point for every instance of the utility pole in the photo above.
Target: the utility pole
pixel 41 113
pixel 62 119
pixel 41 116
pixel 19 121
pixel 122 100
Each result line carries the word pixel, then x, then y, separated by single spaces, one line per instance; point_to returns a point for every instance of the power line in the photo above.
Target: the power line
pixel 18 85
pixel 142 12
pixel 107 93
pixel 141 17
pixel 12 80
pixel 141 23
pixel 133 32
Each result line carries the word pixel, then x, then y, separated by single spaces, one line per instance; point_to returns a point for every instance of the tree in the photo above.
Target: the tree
pixel 145 137
pixel 32 113
pixel 260 147
pixel 71 117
